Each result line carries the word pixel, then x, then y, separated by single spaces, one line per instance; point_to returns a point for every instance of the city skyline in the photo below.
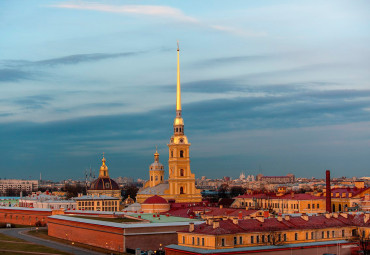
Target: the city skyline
pixel 259 91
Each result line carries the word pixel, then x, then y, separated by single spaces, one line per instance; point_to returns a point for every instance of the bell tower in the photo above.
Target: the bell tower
pixel 156 171
pixel 181 180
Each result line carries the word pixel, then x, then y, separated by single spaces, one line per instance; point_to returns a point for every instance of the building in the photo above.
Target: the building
pixel 46 201
pixel 180 186
pixel 282 232
pixel 16 186
pixel 104 186
pixel 287 203
pixel 98 203
pixel 289 178
pixel 147 234
pixel 155 204
pixel 344 199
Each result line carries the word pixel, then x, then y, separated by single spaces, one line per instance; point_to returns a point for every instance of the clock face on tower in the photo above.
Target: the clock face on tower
pixel 181 140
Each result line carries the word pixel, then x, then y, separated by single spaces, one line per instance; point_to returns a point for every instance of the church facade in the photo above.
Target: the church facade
pixel 180 186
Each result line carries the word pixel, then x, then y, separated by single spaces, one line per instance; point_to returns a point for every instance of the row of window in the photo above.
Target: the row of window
pixel 156 178
pixel 272 238
pixel 91 203
pixel 278 205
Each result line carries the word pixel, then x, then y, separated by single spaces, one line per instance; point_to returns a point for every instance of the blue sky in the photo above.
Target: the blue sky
pixel 268 86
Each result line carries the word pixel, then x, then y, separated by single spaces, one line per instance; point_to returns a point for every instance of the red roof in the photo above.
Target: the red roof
pixel 295 196
pixel 273 224
pixel 155 200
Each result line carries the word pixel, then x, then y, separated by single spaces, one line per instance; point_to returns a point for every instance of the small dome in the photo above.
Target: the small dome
pixel 156 166
pixel 104 184
pixel 155 200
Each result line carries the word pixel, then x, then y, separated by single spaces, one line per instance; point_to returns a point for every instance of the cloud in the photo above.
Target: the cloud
pixel 151 10
pixel 70 59
pixel 239 31
pixel 33 102
pixel 160 11
pixel 12 75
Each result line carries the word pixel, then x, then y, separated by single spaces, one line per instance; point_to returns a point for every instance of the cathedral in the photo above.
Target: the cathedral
pixel 180 186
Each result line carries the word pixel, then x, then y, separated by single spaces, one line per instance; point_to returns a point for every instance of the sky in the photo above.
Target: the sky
pixel 271 87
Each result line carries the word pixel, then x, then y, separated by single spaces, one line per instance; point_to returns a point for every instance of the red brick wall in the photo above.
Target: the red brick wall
pixel 23 217
pixel 101 236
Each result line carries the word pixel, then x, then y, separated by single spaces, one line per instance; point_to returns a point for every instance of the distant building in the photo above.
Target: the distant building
pixel 46 201
pixel 18 186
pixel 289 178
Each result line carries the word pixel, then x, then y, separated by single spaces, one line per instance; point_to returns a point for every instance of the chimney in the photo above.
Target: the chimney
pixel 366 217
pixel 335 215
pixel 286 217
pixel 191 226
pixel 235 221
pixel 328 215
pixel 240 215
pixel 304 216
pixel 344 215
pixel 280 218
pixel 260 219
pixel 221 206
pixel 210 221
pixel 328 192
pixel 216 224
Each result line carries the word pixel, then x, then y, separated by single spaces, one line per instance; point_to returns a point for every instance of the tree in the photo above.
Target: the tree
pixel 236 191
pixel 363 241
pixel 223 191
pixel 74 190
pixel 129 190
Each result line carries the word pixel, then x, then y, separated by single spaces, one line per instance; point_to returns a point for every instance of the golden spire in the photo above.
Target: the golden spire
pixel 103 169
pixel 178 95
pixel 156 155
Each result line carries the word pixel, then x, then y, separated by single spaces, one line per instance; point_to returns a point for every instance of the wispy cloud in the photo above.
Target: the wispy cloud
pixel 70 60
pixel 152 10
pixel 11 75
pixel 160 11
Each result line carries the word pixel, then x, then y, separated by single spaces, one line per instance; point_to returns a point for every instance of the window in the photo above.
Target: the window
pixel 279 237
pixel 202 241
pixel 332 233
pixel 183 239
pixel 151 178
pixel 181 154
pixel 322 234
pixel 181 172
pixel 318 206
pixel 171 154
pixel 343 233
pixel 296 236
pixel 311 235
pixel 156 178
pixel 313 206
pixel 223 242
pixel 235 240
pixel 306 235
pixel 192 240
pixel 284 237
pixel 161 178
pixel 309 206
pixel 327 234
pixel 252 239
pixel 258 239
pixel 198 242
pixel 263 238
pixel 181 190
pixel 241 240
pixel 269 238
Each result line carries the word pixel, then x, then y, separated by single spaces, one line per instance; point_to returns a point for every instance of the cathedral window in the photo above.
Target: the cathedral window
pixel 181 190
pixel 181 172
pixel 161 178
pixel 171 154
pixel 156 178
pixel 151 178
pixel 181 154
